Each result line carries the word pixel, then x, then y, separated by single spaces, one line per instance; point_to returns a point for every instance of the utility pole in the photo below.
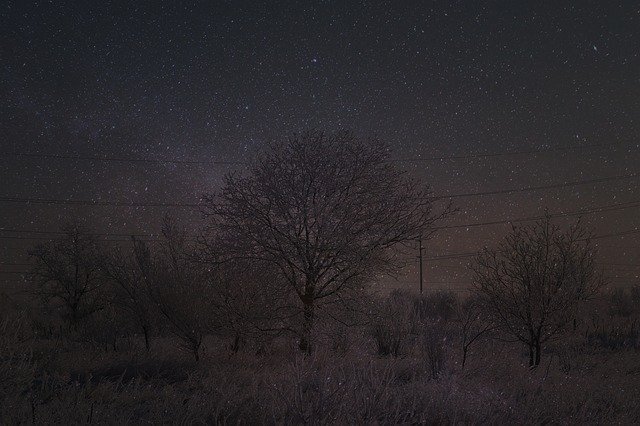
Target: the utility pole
pixel 420 248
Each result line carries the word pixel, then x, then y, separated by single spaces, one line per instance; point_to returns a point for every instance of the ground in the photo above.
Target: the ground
pixel 58 381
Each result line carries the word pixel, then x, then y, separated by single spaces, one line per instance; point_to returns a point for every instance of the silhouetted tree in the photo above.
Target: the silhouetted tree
pixel 325 210
pixel 181 289
pixel 67 274
pixel 249 302
pixel 474 323
pixel 532 285
pixel 127 273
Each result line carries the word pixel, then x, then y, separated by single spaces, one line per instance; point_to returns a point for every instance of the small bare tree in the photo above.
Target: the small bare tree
pixel 180 289
pixel 532 285
pixel 325 210
pixel 127 292
pixel 474 324
pixel 67 274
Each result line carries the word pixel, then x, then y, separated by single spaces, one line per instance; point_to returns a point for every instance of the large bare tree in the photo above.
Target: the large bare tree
pixel 67 274
pixel 326 210
pixel 534 282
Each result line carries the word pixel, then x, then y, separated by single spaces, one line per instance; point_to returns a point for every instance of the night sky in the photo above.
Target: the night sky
pixel 556 81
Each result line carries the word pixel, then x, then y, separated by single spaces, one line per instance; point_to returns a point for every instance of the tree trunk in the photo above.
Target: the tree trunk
pixel 465 349
pixel 531 355
pixel 196 352
pixel 538 350
pixel 145 331
pixel 235 346
pixel 307 325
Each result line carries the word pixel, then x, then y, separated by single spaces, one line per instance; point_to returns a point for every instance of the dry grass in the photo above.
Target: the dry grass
pixel 47 381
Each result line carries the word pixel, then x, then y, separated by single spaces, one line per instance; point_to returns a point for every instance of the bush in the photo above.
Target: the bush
pixel 434 342
pixel 438 306
pixel 615 335
pixel 621 304
pixel 17 367
pixel 393 324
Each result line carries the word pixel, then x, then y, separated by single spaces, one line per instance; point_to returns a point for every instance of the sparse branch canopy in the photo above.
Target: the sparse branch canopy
pixel 324 209
pixel 180 289
pixel 127 272
pixel 534 282
pixel 67 274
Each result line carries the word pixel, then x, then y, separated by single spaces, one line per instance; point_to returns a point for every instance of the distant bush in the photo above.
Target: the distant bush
pixel 392 324
pixel 615 335
pixel 621 303
pixel 440 305
pixel 434 341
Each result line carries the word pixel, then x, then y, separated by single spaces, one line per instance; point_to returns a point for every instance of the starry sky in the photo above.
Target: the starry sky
pixel 190 90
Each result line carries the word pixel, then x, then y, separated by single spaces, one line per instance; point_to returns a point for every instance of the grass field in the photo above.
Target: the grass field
pixel 345 381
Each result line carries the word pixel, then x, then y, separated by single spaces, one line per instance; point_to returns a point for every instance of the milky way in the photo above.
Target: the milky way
pixel 557 81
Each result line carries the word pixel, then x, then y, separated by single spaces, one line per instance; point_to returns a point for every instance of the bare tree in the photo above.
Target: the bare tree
pixel 181 289
pixel 474 323
pixel 533 284
pixel 249 302
pixel 325 209
pixel 67 274
pixel 128 291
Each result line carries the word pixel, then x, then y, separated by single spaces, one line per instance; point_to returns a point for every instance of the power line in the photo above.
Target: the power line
pixel 505 153
pixel 127 236
pixel 453 256
pixel 96 234
pixel 20 237
pixel 617 234
pixel 606 208
pixel 435 289
pixel 60 201
pixel 542 187
pixel 633 268
pixel 118 159
pixel 77 157
pixel 464 255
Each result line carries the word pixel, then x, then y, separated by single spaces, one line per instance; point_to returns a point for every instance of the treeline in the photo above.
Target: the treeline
pixel 295 244
pixel 101 294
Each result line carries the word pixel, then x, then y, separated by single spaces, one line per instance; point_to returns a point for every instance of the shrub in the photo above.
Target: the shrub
pixel 17 367
pixel 392 324
pixel 434 344
pixel 621 303
pixel 615 335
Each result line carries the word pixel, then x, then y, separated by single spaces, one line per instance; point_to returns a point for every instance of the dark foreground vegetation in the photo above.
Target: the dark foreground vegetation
pixel 271 313
pixel 407 368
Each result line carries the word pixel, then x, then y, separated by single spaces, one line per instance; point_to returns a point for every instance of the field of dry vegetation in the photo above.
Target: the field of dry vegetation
pixel 403 366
